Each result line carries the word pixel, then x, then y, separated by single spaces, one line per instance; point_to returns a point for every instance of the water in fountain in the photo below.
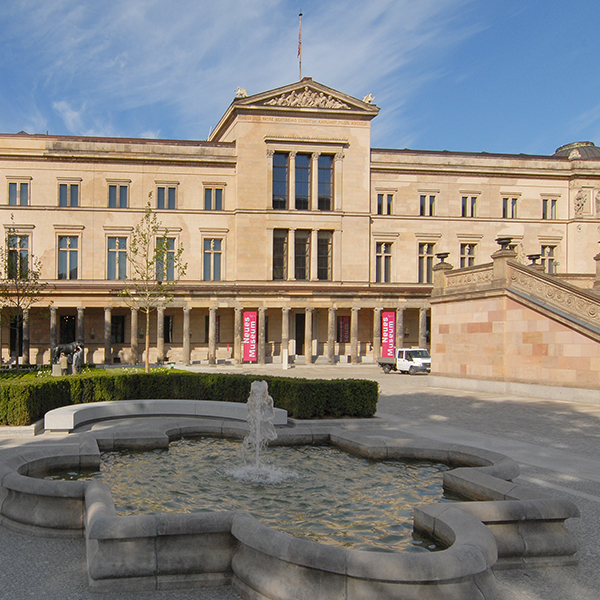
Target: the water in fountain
pixel 261 431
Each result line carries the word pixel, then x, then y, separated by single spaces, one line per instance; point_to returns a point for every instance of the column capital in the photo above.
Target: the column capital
pixel 80 309
pixel 262 309
pixel 186 309
pixel 332 309
pixel 107 309
pixel 53 308
pixel 286 309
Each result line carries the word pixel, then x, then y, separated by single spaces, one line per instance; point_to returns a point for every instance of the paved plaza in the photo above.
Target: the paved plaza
pixel 556 444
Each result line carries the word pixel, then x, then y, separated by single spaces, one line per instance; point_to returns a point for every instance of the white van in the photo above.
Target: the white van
pixel 408 360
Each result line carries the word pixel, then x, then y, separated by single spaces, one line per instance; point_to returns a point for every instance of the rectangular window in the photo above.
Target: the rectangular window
pixel 117 329
pixel 509 208
pixel 213 198
pixel 280 254
pixel 18 193
pixel 469 206
pixel 384 204
pixel 426 263
pixel 117 258
pixel 302 173
pixel 18 256
pixel 165 268
pixel 325 181
pixel 165 197
pixel 117 196
pixel 383 262
pixel 212 259
pixel 68 194
pixel 467 255
pixel 324 255
pixel 168 329
pixel 427 205
pixel 280 181
pixel 549 259
pixel 549 208
pixel 68 248
pixel 302 254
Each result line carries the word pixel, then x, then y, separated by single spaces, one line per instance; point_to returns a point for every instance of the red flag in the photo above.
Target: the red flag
pixel 300 37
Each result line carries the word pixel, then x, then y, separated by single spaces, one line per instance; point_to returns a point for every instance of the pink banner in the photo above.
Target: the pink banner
pixel 388 333
pixel 249 338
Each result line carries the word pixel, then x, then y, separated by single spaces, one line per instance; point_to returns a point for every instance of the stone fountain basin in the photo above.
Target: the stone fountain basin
pixel 506 525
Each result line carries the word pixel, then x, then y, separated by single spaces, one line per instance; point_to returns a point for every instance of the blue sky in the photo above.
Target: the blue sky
pixel 466 75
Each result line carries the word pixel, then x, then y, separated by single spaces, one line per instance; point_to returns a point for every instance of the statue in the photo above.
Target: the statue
pixel 241 92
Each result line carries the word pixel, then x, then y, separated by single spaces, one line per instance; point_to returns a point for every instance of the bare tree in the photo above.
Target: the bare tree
pixel 20 279
pixel 155 267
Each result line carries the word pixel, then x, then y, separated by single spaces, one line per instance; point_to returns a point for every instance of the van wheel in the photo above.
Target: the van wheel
pixel 387 368
pixel 412 371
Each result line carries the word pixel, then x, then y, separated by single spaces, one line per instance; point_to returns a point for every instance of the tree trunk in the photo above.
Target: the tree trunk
pixel 147 361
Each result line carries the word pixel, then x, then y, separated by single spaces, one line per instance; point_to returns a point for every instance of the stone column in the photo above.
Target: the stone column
pixel 285 337
pixel 354 335
pixel 237 336
pixel 134 336
pixel 314 182
pixel 187 354
pixel 261 336
pixel 314 259
pixel 376 334
pixel 291 254
pixel 270 153
pixel 422 327
pixel 81 325
pixel 212 335
pixel 53 329
pixel 596 286
pixel 308 355
pixel 25 336
pixel 337 180
pixel 107 335
pixel 160 335
pixel 331 335
pixel 399 328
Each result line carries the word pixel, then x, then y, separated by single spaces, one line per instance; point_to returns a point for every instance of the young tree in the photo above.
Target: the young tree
pixel 20 279
pixel 155 267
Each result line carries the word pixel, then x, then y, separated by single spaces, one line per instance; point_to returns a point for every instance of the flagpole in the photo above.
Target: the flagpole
pixel 300 49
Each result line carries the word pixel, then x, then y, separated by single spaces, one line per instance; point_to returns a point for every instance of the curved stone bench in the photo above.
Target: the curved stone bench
pixel 68 418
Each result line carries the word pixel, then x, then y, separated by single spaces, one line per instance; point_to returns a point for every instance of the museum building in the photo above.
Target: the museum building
pixel 299 237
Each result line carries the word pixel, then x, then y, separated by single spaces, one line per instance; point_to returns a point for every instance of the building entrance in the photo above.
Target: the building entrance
pixel 300 324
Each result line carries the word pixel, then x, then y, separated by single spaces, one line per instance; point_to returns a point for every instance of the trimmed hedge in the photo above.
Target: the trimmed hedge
pixel 23 402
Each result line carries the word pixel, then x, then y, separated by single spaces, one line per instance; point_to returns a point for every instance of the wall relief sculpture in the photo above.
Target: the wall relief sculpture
pixel 580 202
pixel 306 99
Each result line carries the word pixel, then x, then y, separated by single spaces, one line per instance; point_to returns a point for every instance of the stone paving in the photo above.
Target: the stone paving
pixel 556 444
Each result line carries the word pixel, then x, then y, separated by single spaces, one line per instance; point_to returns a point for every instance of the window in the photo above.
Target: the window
pixel 383 262
pixel 117 329
pixel 212 259
pixel 68 247
pixel 324 255
pixel 426 262
pixel 302 181
pixel 165 269
pixel 509 208
pixel 280 181
pixel 469 206
pixel 18 193
pixel 117 258
pixel 165 197
pixel 384 204
pixel 325 181
pixel 68 194
pixel 427 205
pixel 280 254
pixel 18 256
pixel 549 259
pixel 548 208
pixel 213 198
pixel 117 195
pixel 168 329
pixel 302 254
pixel 467 255
pixel 343 330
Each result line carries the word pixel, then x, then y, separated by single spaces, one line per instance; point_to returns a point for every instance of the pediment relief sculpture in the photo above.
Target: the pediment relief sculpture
pixel 307 99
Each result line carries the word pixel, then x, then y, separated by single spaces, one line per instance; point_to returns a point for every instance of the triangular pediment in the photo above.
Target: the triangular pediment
pixel 305 96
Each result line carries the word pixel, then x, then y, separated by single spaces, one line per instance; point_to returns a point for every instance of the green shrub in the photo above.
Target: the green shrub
pixel 24 401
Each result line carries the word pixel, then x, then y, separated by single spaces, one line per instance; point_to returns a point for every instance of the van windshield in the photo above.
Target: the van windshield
pixel 417 354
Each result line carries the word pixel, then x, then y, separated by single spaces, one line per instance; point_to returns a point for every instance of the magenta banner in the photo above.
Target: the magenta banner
pixel 388 333
pixel 249 336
